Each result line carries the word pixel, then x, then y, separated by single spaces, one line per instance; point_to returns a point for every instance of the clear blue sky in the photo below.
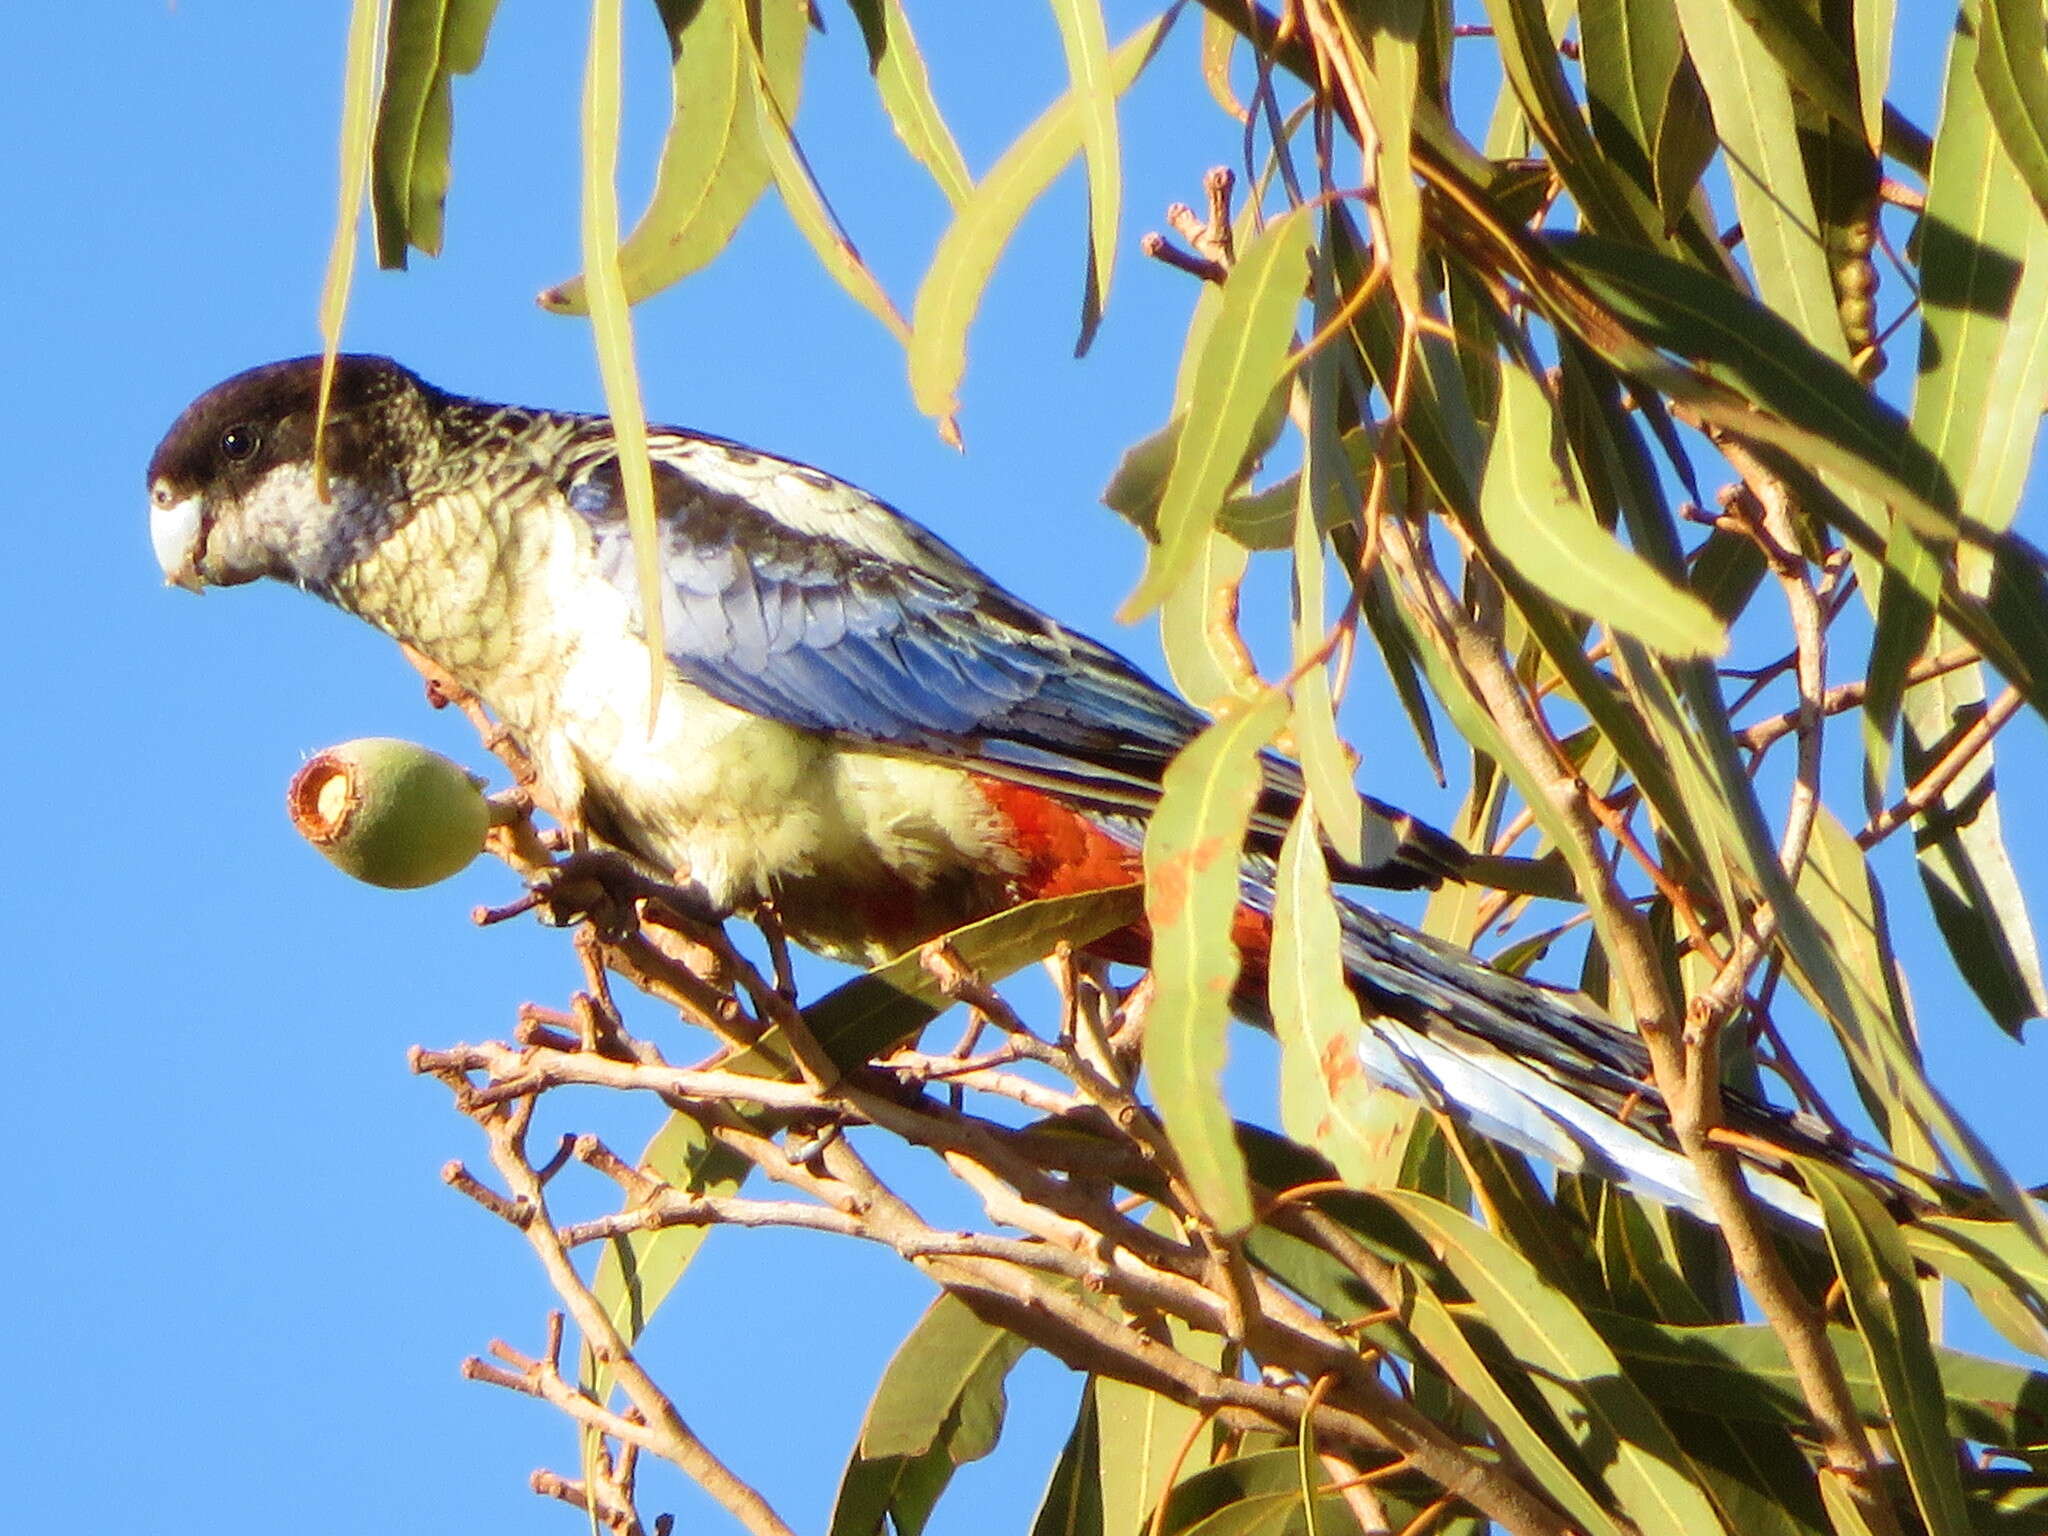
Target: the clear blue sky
pixel 241 1291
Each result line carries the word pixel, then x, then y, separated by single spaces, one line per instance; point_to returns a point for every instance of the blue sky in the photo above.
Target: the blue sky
pixel 241 1288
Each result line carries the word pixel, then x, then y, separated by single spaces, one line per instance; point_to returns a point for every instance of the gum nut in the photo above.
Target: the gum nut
pixel 390 812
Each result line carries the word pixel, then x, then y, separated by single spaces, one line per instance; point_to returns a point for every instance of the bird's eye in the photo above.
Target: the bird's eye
pixel 239 443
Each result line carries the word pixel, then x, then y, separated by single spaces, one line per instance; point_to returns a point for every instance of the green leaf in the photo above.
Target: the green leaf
pixel 1612 1423
pixel 1686 145
pixel 1716 820
pixel 1270 519
pixel 1643 1260
pixel 611 326
pixel 1807 55
pixel 906 92
pixel 1262 1490
pixel 945 1380
pixel 713 166
pixel 1085 38
pixel 1392 63
pixel 803 197
pixel 1631 50
pixel 1737 343
pixel 1972 251
pixel 938 1406
pixel 1739 1371
pixel 1327 492
pixel 1240 363
pixel 1437 1331
pixel 967 253
pixel 1326 1100
pixel 358 98
pixel 2002 1267
pixel 1141 1434
pixel 1440 430
pixel 876 1011
pixel 1965 867
pixel 1878 1283
pixel 1192 900
pixel 1984 354
pixel 1873 23
pixel 1072 1503
pixel 1836 885
pixel 1536 518
pixel 2012 67
pixel 427 43
pixel 1752 101
pixel 1205 656
pixel 637 1272
pixel 1609 203
pixel 1759 1479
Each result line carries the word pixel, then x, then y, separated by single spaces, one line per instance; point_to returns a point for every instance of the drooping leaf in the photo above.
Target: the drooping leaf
pixel 1391 64
pixel 427 43
pixel 1326 493
pixel 713 166
pixel 611 326
pixel 1326 1100
pixel 1143 1439
pixel 1260 1490
pixel 1575 1492
pixel 1610 203
pixel 1631 50
pixel 1983 357
pixel 1755 352
pixel 1740 1372
pixel 1205 654
pixel 2012 67
pixel 1239 365
pixel 1966 869
pixel 953 284
pixel 1072 1502
pixel 1751 96
pixel 1085 38
pixel 1685 146
pixel 637 1272
pixel 906 91
pixel 1536 517
pixel 939 1405
pixel 945 1380
pixel 1878 1283
pixel 1835 881
pixel 804 198
pixel 358 99
pixel 1613 1424
pixel 2001 1266
pixel 1806 55
pixel 1192 902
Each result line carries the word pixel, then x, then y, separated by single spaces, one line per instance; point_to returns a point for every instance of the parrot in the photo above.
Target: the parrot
pixel 854 725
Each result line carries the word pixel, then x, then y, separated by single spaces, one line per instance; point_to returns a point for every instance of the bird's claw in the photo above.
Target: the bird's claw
pixel 604 889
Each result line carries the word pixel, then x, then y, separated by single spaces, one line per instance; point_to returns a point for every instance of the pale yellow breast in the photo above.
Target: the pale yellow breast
pixel 744 808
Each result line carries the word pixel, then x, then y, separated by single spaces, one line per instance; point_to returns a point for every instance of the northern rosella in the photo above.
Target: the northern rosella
pixel 856 724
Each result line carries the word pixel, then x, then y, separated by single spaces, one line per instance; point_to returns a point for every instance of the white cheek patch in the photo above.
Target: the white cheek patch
pixel 174 534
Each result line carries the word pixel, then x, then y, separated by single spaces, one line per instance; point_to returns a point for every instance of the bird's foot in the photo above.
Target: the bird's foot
pixel 605 889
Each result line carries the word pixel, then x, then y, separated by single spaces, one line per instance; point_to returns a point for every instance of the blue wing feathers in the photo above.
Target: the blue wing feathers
pixel 808 629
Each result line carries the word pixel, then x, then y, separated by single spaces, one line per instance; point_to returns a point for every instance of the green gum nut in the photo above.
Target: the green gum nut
pixel 390 812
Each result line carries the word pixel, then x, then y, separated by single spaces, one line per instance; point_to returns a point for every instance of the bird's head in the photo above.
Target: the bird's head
pixel 232 490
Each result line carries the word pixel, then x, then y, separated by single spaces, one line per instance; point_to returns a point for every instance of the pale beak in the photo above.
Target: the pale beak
pixel 174 533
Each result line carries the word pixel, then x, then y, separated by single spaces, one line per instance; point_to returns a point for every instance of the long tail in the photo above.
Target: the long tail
pixel 1540 1069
